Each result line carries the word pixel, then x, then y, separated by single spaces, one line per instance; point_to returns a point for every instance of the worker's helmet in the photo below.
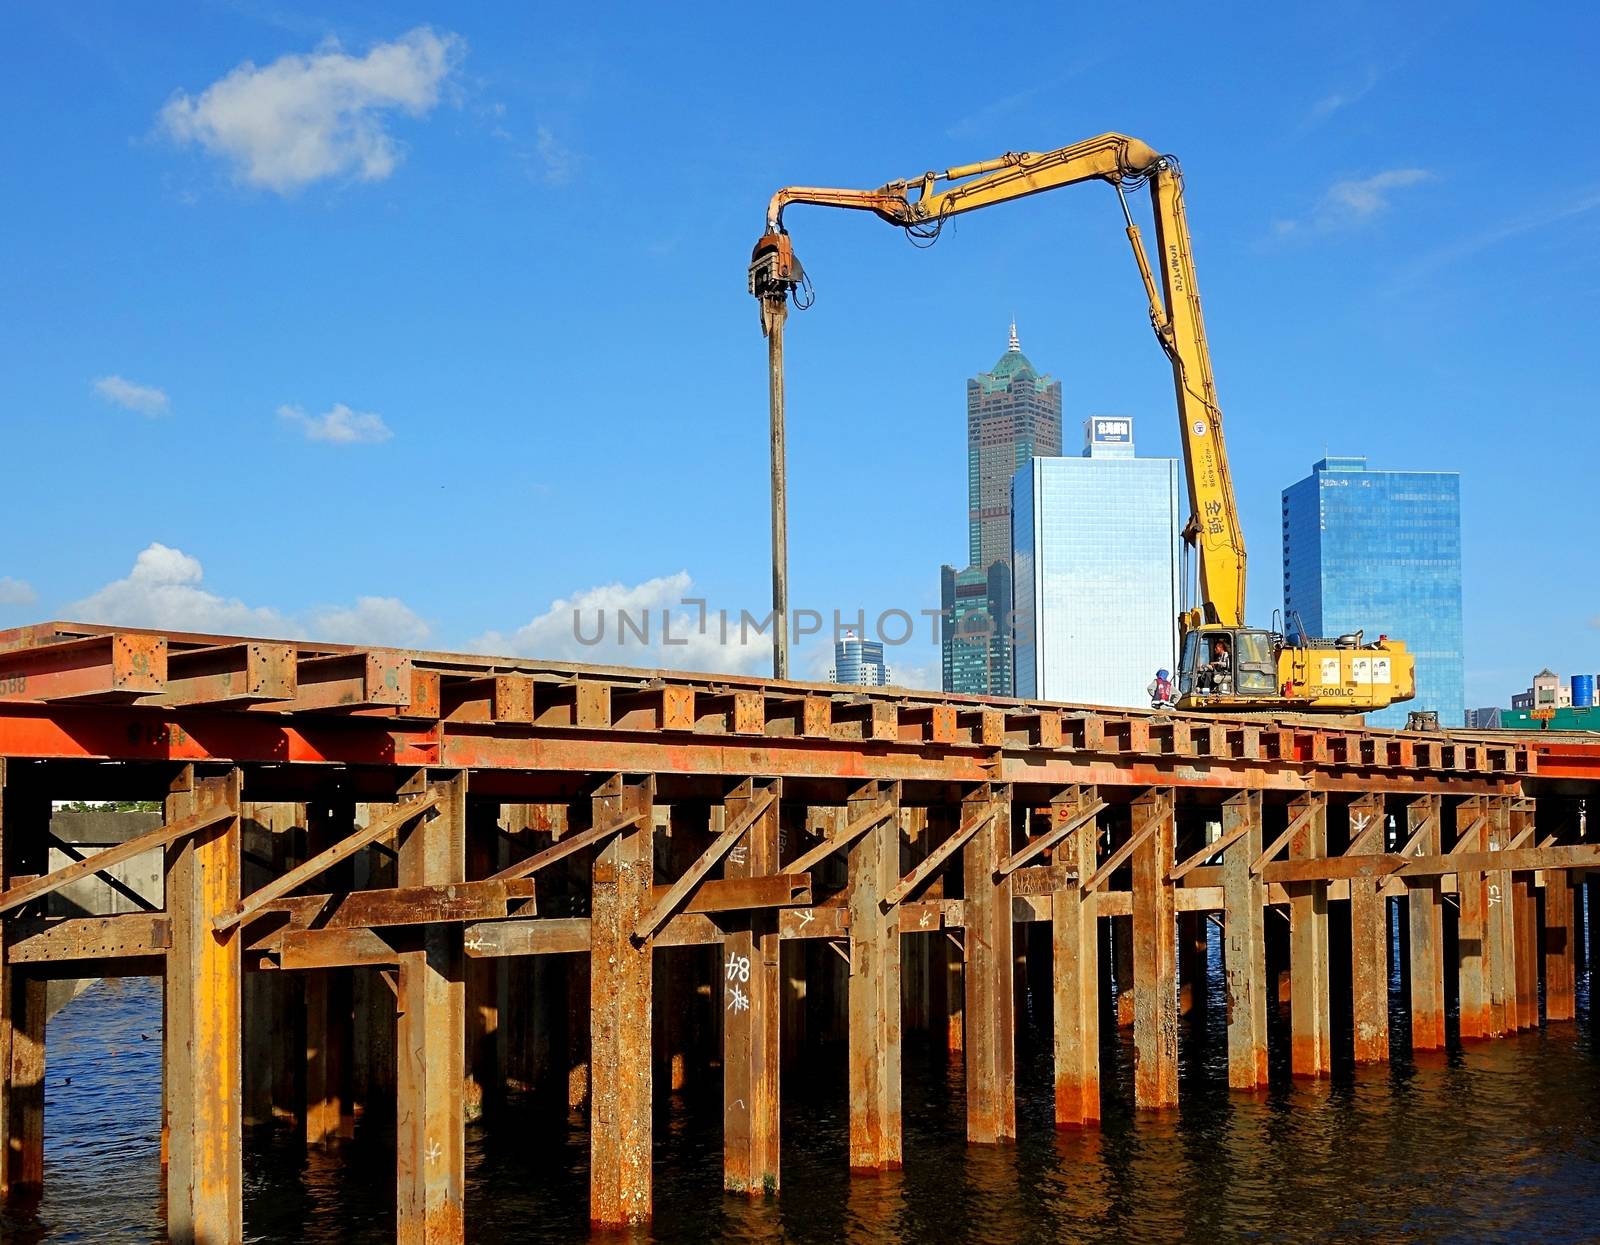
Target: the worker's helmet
pixel 1162 674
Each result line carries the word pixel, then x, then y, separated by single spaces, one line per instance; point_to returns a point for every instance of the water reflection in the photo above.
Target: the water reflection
pixel 1500 1140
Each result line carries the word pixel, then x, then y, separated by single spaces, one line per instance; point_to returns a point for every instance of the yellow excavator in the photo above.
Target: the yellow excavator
pixel 1223 665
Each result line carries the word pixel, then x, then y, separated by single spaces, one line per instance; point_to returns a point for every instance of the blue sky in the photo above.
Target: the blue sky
pixel 408 323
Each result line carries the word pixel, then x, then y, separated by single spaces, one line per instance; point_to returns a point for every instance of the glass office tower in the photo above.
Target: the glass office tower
pixel 975 637
pixel 859 661
pixel 1095 565
pixel 1381 551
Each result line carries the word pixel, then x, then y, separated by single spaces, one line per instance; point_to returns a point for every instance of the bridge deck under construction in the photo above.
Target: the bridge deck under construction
pixel 400 883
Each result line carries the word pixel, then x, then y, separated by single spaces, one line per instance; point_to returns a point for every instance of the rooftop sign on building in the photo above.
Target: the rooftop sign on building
pixel 1108 436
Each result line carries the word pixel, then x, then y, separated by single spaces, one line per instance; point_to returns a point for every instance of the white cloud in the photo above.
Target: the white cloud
pixel 1336 101
pixel 16 591
pixel 371 620
pixel 166 589
pixel 602 626
pixel 311 116
pixel 556 157
pixel 341 425
pixel 1580 203
pixel 146 399
pixel 1354 201
pixel 927 677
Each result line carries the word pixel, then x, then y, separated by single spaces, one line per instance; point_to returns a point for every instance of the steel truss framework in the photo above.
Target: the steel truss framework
pixel 339 816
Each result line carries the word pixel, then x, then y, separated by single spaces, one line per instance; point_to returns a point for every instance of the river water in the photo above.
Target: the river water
pixel 1498 1141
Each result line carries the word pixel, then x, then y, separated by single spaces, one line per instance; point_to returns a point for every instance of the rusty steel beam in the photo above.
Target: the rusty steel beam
pixel 351 681
pixel 1297 823
pixel 522 936
pixel 1102 875
pixel 1050 838
pixel 925 868
pixel 567 846
pixel 377 828
pixel 237 675
pixel 778 890
pixel 678 891
pixel 357 947
pixel 44 940
pixel 113 883
pixel 161 836
pixel 498 698
pixel 860 822
pixel 438 903
pixel 118 667
pixel 1209 850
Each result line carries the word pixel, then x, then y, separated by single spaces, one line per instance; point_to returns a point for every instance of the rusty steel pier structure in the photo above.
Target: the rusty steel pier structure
pixel 401 882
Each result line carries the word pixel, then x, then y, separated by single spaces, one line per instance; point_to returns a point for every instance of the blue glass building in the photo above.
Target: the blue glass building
pixel 1095 570
pixel 859 661
pixel 1381 551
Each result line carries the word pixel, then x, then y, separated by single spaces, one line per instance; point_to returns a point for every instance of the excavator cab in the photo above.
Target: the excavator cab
pixel 1227 665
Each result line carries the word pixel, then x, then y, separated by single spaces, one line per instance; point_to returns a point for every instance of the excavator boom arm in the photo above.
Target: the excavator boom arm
pixel 1213 528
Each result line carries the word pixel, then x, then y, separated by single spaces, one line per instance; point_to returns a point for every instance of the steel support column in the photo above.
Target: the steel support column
pixel 204 1059
pixel 1472 925
pixel 24 819
pixel 1076 962
pixel 874 988
pixel 1245 956
pixel 1425 923
pixel 752 985
pixel 1310 1007
pixel 1560 942
pixel 619 1011
pixel 430 1039
pixel 1155 959
pixel 1369 937
pixel 990 1003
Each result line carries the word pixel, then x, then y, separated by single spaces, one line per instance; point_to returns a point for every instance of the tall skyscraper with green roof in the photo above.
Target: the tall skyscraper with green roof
pixel 1013 416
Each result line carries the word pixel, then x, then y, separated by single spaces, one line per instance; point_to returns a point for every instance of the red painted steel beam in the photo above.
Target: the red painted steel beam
pixel 114 732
